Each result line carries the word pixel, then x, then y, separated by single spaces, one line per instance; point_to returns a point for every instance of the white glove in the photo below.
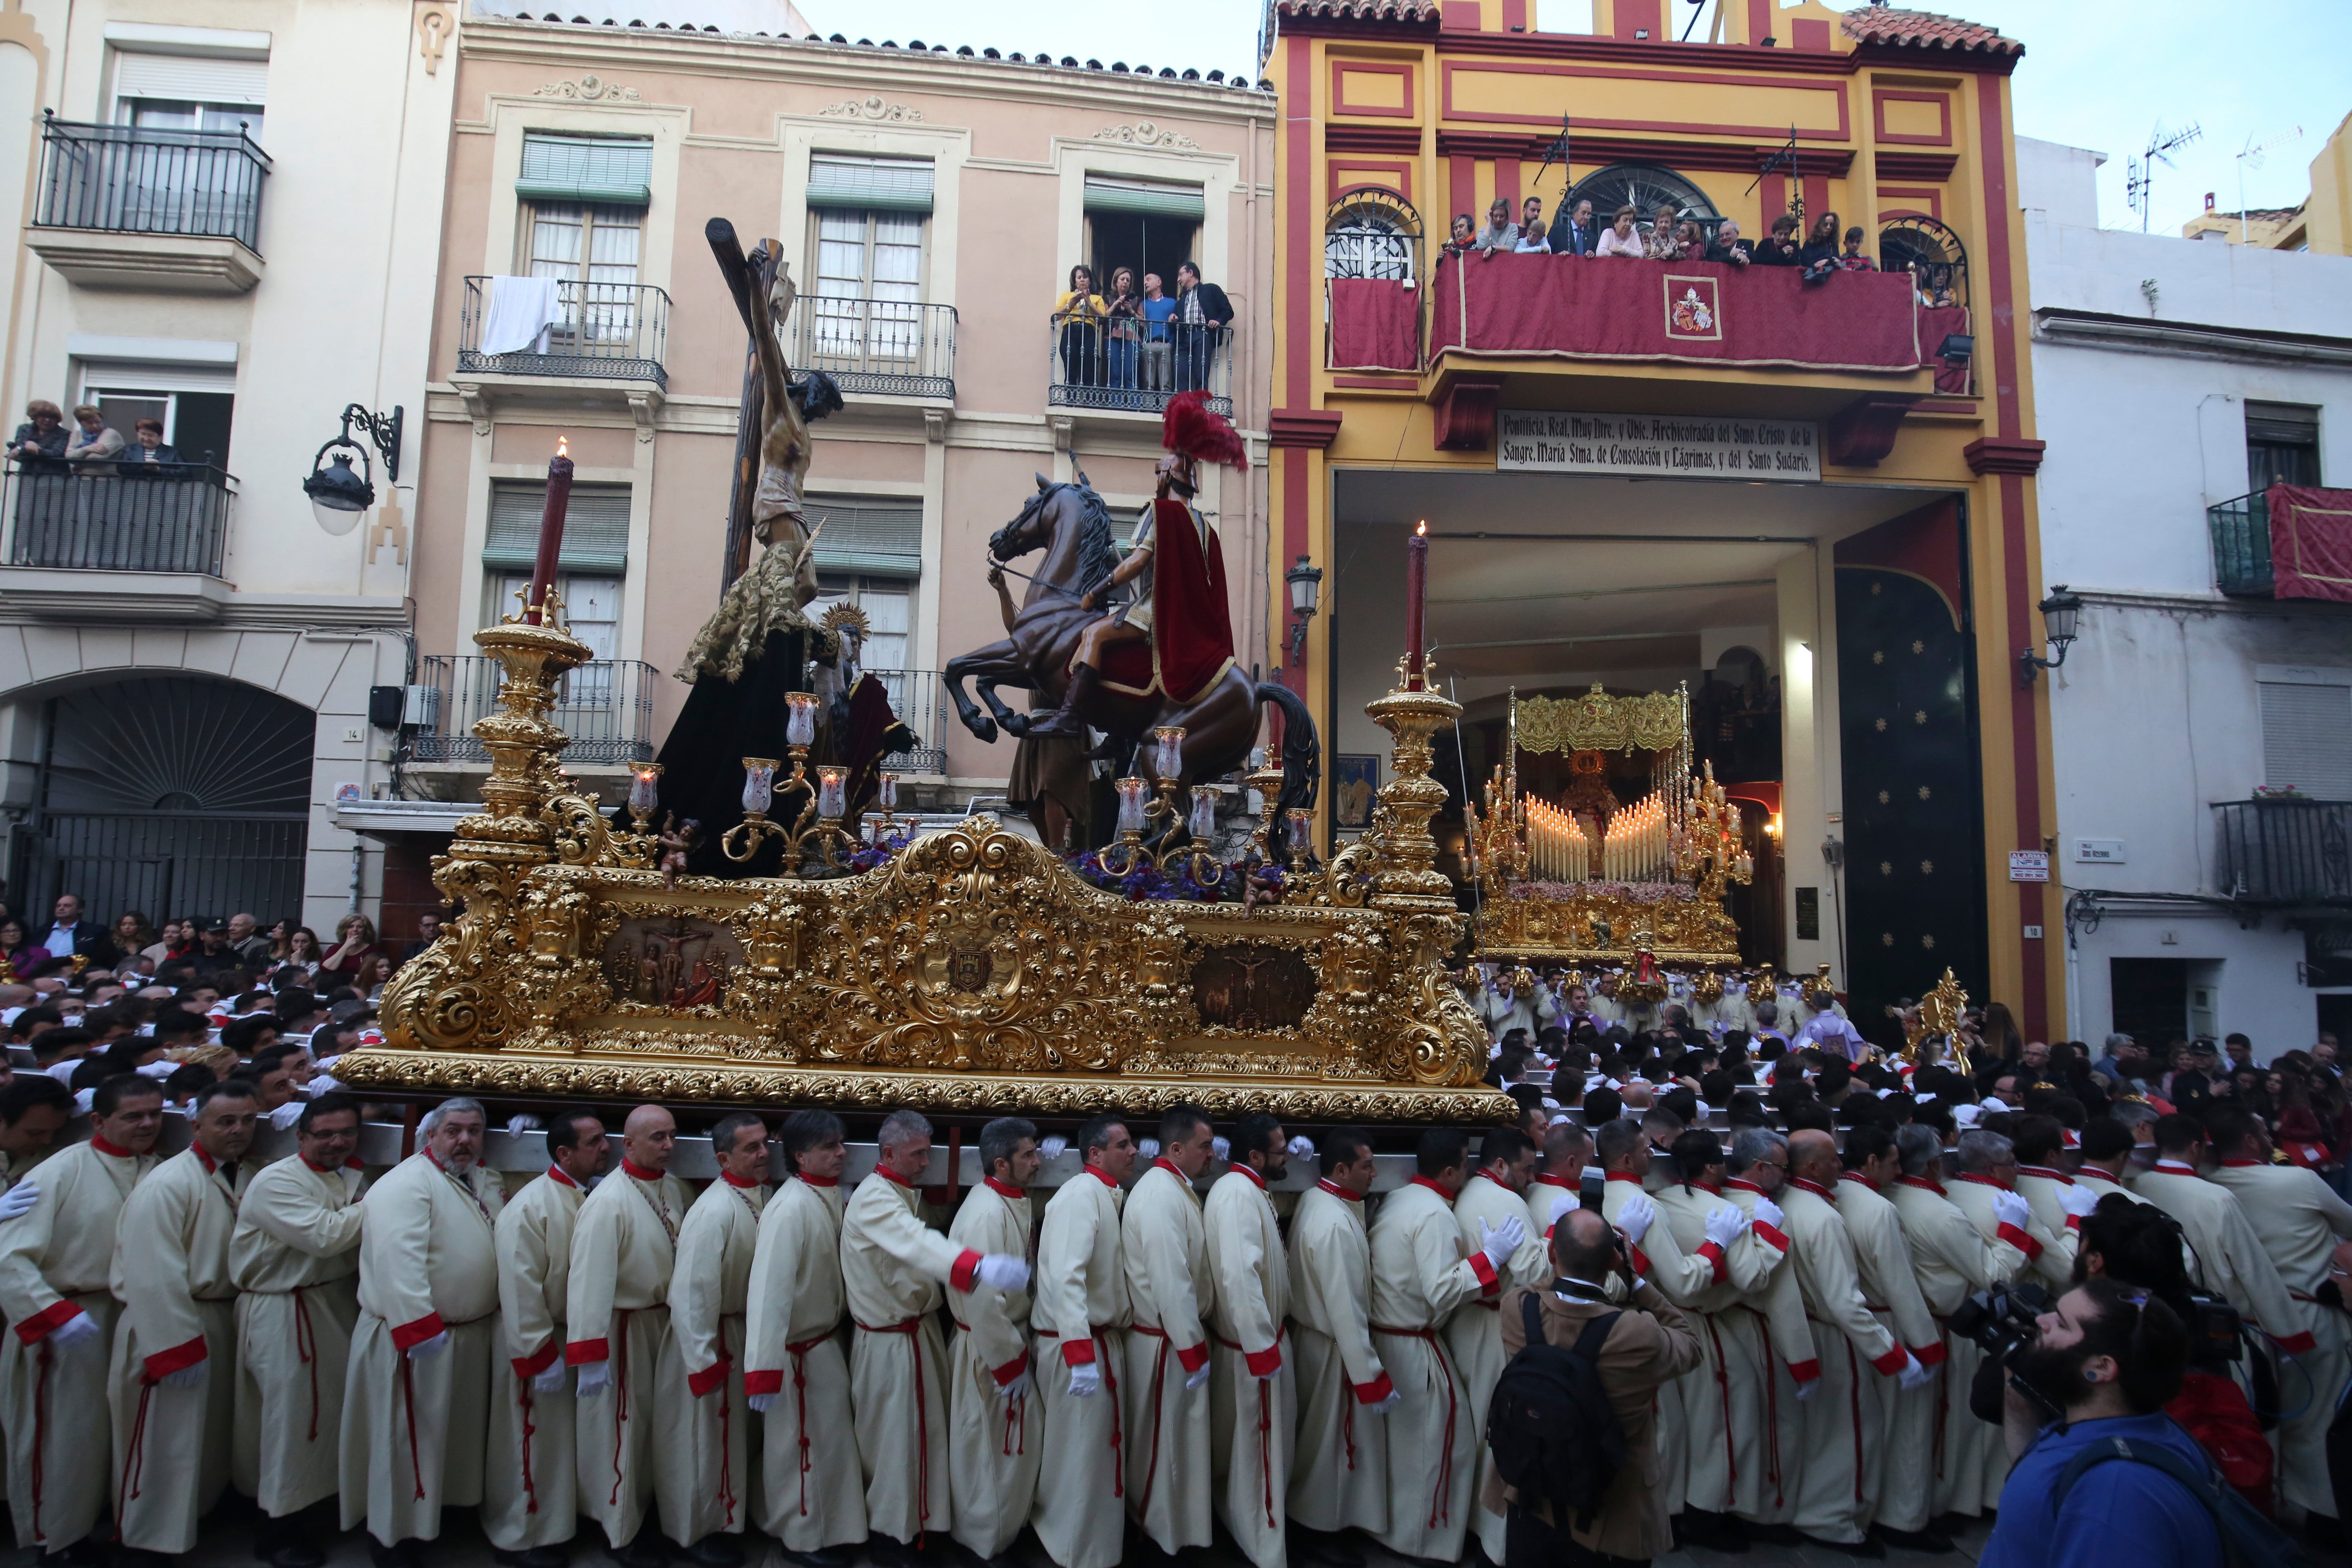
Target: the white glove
pixel 187 1377
pixel 422 1349
pixel 1003 1271
pixel 2010 1208
pixel 596 1377
pixel 1196 1381
pixel 73 1331
pixel 2078 1201
pixel 1807 1389
pixel 1913 1374
pixel 1221 1148
pixel 1149 1149
pixel 1302 1147
pixel 551 1380
pixel 759 1403
pixel 1633 1219
pixel 522 1122
pixel 288 1114
pixel 1086 1380
pixel 1385 1405
pixel 1017 1389
pixel 1050 1148
pixel 1724 1224
pixel 158 1071
pixel 1502 1240
pixel 19 1198
pixel 1769 1212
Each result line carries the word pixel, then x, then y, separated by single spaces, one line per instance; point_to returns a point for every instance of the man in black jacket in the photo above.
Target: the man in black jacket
pixel 71 934
pixel 1202 311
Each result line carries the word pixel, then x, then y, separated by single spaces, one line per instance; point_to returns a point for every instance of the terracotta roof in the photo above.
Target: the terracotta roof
pixel 1924 30
pixel 1362 10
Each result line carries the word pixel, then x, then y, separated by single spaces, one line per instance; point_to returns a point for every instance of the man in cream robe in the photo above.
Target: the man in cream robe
pixel 714 1473
pixel 795 1378
pixel 416 1399
pixel 997 1433
pixel 1081 1318
pixel 1421 1271
pixel 57 1263
pixel 530 1492
pixel 295 1257
pixel 1558 1184
pixel 172 1383
pixel 624 1245
pixel 2213 1222
pixel 893 1267
pixel 1253 1407
pixel 1976 1458
pixel 1778 1339
pixel 1900 1480
pixel 1168 1287
pixel 1338 1476
pixel 1507 1164
pixel 2057 1200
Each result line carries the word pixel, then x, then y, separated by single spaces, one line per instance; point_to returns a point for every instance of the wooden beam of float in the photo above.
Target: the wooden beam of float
pixel 971 972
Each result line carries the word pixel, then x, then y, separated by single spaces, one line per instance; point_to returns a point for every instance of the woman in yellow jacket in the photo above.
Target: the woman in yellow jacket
pixel 1080 313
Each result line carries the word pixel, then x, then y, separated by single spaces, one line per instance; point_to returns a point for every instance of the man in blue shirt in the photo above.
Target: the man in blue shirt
pixel 2109 1357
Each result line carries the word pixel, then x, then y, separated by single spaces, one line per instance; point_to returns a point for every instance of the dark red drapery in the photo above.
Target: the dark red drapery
pixel 2311 541
pixel 1374 325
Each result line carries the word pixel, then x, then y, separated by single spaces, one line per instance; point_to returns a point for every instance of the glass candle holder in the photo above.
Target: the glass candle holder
pixel 1203 823
pixel 832 792
pixel 1132 793
pixel 800 729
pixel 645 788
pixel 1302 828
pixel 887 797
pixel 759 783
pixel 1168 755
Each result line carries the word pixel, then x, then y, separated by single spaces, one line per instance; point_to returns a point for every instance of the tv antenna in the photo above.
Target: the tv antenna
pixel 2139 183
pixel 2251 157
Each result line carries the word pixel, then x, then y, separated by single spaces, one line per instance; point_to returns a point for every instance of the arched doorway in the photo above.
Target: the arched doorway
pixel 171 795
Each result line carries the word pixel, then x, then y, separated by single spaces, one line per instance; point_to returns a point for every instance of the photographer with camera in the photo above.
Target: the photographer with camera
pixel 2229 1256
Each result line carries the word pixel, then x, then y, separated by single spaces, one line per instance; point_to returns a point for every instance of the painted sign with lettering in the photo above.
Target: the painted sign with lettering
pixel 1663 445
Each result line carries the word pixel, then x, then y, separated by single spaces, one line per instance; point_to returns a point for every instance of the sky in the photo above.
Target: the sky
pixel 2102 74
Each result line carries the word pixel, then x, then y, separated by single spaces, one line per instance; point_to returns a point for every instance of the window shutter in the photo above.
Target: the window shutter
pixel 880 536
pixel 615 170
pixel 2288 424
pixel 190 79
pixel 887 184
pixel 2307 737
pixel 1152 199
pixel 595 528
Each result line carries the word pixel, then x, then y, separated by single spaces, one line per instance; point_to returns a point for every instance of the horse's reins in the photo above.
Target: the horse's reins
pixel 994 564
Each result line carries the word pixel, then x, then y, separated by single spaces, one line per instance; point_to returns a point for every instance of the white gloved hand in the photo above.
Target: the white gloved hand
pixel 19 1198
pixel 1003 1272
pixel 522 1122
pixel 187 1377
pixel 1017 1389
pixel 1633 1219
pixel 1221 1148
pixel 2010 1208
pixel 1806 1390
pixel 288 1114
pixel 596 1377
pixel 1502 1240
pixel 549 1380
pixel 2077 1200
pixel 73 1331
pixel 1086 1379
pixel 1724 1224
pixel 759 1403
pixel 1196 1381
pixel 1147 1149
pixel 1385 1405
pixel 1913 1374
pixel 1051 1147
pixel 1769 1212
pixel 422 1349
pixel 1302 1147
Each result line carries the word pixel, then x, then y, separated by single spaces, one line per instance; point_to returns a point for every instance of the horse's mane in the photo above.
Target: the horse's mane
pixel 1098 549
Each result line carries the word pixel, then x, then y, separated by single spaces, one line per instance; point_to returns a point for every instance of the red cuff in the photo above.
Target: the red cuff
pixel 532 1366
pixel 1265 1363
pixel 2297 1345
pixel 179 1358
pixel 1372 1392
pixel 1890 1363
pixel 966 1270
pixel 1714 1255
pixel 1641 1261
pixel 2019 1240
pixel 408 1336
pixel 770 1382
pixel 1804 1371
pixel 1930 1356
pixel 1077 1352
pixel 2073 1223
pixel 1770 1233
pixel 586 1352
pixel 1195 1358
pixel 698 1383
pixel 56 1315
pixel 1011 1369
pixel 1483 1267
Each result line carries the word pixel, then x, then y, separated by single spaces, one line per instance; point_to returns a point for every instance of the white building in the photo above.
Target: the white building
pixel 230 227
pixel 2173 381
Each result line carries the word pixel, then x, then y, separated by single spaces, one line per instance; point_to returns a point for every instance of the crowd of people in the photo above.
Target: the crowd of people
pixel 1139 337
pixel 93 448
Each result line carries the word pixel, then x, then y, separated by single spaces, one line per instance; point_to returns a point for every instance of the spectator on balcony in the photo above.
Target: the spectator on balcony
pixel 1690 242
pixel 1080 313
pixel 1463 237
pixel 1202 314
pixel 1530 214
pixel 41 439
pixel 1620 239
pixel 1662 244
pixel 1851 260
pixel 1500 233
pixel 1579 234
pixel 148 450
pixel 1126 335
pixel 95 443
pixel 1781 249
pixel 1727 247
pixel 1821 241
pixel 1531 238
pixel 355 944
pixel 1158 312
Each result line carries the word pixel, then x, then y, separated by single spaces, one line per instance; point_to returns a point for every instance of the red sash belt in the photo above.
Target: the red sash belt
pixel 1264 1424
pixel 1109 1364
pixel 912 1329
pixel 1440 1502
pixel 799 1350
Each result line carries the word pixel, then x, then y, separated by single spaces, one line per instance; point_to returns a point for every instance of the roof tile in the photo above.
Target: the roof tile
pixel 1884 25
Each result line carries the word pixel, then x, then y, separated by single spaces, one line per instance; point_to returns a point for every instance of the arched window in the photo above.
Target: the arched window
pixel 1371 234
pixel 1646 187
pixel 1931 253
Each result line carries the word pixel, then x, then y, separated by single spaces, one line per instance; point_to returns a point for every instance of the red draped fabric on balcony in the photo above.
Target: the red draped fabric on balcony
pixel 2311 541
pixel 1697 312
pixel 1374 324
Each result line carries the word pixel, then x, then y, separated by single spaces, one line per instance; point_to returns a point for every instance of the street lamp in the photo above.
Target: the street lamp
pixel 2060 613
pixel 1306 596
pixel 338 496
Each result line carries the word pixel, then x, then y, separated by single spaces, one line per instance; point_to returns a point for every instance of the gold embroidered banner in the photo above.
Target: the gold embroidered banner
pixel 1597 722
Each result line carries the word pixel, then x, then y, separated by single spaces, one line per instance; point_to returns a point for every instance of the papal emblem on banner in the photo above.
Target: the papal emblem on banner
pixel 1693 311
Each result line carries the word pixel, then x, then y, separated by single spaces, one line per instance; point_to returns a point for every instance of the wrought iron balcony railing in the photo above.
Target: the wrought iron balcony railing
pixel 127 179
pixel 605 331
pixel 2284 851
pixel 117 516
pixel 606 707
pixel 889 348
pixel 2241 545
pixel 1089 365
pixel 918 699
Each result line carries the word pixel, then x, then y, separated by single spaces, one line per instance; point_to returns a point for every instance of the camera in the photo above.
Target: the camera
pixel 2216 1331
pixel 1999 1321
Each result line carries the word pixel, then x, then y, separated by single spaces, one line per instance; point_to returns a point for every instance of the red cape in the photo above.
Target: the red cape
pixel 1192 636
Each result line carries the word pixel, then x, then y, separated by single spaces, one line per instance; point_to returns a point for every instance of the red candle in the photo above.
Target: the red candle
pixel 1416 596
pixel 551 533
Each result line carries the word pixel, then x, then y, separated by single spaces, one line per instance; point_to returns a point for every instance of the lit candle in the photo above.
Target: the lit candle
pixel 759 784
pixel 832 794
pixel 800 725
pixel 1131 794
pixel 645 788
pixel 1416 596
pixel 551 533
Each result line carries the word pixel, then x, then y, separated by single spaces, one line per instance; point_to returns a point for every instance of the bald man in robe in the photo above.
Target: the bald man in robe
pixel 714 1473
pixel 1779 1337
pixel 996 1426
pixel 1338 1476
pixel 1494 1192
pixel 1169 1457
pixel 1081 1318
pixel 1253 1405
pixel 1900 1482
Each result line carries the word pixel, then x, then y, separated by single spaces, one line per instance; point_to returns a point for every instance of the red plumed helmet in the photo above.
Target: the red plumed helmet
pixel 1193 429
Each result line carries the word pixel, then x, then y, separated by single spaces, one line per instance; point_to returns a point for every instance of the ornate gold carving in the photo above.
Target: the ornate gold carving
pixel 1144 133
pixel 871 108
pixel 1597 722
pixel 590 89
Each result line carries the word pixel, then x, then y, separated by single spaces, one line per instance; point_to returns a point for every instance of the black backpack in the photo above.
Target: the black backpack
pixel 2248 1539
pixel 1551 1429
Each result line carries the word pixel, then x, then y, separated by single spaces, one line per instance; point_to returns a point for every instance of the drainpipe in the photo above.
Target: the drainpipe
pixel 358 860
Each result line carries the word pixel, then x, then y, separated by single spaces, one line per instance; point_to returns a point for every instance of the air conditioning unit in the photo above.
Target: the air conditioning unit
pixel 421 708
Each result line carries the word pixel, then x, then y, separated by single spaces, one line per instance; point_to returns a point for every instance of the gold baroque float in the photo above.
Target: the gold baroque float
pixel 971 972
